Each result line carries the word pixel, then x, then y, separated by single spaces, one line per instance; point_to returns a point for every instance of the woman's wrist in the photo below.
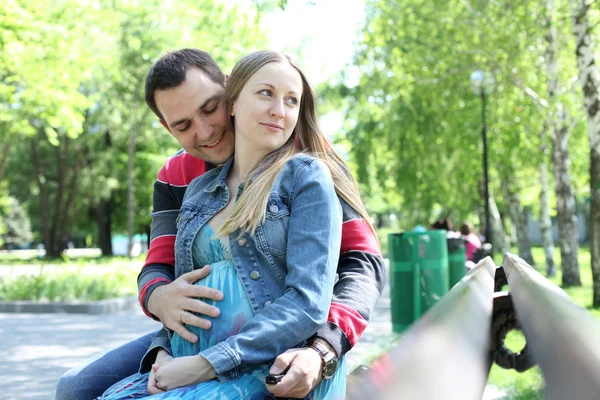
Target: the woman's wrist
pixel 206 370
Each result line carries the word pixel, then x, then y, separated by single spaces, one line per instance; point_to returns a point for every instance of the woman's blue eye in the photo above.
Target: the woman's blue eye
pixel 266 92
pixel 293 100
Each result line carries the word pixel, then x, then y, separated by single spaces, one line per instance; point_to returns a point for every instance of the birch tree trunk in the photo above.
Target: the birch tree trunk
pixel 131 187
pixel 590 82
pixel 552 74
pixel 519 222
pixel 501 243
pixel 546 222
pixel 565 201
pixel 565 197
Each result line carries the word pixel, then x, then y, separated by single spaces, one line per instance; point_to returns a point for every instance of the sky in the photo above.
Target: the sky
pixel 324 29
pixel 320 35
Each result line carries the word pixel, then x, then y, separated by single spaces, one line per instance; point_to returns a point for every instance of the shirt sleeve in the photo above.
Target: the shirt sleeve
pixel 159 268
pixel 361 277
pixel 160 341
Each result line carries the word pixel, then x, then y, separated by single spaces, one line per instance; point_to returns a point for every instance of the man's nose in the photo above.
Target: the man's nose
pixel 204 130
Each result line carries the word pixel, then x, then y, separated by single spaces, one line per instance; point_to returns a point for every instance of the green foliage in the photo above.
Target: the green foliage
pixel 16 231
pixel 413 123
pixel 71 97
pixel 64 287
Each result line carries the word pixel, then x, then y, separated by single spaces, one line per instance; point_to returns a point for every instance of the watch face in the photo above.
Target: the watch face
pixel 330 368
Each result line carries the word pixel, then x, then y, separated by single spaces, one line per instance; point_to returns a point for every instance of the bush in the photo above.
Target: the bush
pixel 15 227
pixel 68 286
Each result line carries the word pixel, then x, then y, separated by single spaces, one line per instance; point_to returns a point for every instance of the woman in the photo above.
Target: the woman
pixel 273 250
pixel 473 243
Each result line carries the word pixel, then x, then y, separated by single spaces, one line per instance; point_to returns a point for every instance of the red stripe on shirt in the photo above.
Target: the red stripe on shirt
pixel 348 320
pixel 181 169
pixel 358 236
pixel 143 292
pixel 162 251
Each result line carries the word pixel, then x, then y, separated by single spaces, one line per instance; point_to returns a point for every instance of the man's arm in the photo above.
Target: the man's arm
pixel 361 277
pixel 159 267
pixel 161 296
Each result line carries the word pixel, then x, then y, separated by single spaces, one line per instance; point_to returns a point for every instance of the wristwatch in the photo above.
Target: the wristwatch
pixel 330 360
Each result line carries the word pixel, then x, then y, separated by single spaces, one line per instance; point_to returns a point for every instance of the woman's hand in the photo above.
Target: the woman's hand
pixel 162 357
pixel 182 371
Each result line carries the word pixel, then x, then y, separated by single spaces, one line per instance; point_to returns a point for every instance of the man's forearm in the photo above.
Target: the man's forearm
pixel 151 277
pixel 354 297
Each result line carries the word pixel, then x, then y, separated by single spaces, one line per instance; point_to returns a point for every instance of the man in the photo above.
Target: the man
pixel 186 90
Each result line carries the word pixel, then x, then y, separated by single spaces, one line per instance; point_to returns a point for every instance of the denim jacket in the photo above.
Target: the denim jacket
pixel 287 267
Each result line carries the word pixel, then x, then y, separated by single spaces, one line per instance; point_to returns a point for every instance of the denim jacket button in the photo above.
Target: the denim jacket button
pixel 254 275
pixel 273 208
pixel 267 304
pixel 242 242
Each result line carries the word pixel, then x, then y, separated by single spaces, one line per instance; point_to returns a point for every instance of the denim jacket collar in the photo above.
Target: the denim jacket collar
pixel 221 181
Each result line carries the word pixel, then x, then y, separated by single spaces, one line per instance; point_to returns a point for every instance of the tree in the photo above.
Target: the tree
pixel 559 122
pixel 411 116
pixel 81 119
pixel 589 79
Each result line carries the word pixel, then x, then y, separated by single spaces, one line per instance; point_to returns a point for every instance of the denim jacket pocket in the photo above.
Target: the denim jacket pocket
pixel 185 214
pixel 274 238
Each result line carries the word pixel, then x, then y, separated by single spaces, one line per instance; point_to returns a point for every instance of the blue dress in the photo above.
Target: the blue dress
pixel 235 311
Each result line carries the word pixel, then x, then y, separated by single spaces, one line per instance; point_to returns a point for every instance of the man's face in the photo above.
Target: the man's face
pixel 194 113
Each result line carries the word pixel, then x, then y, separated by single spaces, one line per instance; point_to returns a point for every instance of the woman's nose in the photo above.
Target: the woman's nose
pixel 278 110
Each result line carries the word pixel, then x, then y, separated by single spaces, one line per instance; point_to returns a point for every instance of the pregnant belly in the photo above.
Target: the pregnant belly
pixel 235 311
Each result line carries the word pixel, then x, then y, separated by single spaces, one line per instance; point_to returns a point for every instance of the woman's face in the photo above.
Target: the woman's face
pixel 266 111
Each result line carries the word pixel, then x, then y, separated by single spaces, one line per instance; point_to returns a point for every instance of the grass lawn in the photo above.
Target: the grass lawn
pixel 67 278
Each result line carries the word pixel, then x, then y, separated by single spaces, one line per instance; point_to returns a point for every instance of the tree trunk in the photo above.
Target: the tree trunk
pixel 552 75
pixel 63 222
pixel 103 220
pixel 565 200
pixel 594 221
pixel 501 243
pixel 4 158
pixel 59 210
pixel 546 222
pixel 519 221
pixel 131 187
pixel 565 197
pixel 41 182
pixel 589 78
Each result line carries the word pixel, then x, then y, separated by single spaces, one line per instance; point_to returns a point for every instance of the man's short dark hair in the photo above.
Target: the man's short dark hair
pixel 169 72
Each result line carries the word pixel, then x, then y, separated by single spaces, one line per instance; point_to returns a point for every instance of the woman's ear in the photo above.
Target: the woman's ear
pixel 232 110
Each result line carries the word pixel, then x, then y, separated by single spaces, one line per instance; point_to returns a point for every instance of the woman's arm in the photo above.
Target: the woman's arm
pixel 313 243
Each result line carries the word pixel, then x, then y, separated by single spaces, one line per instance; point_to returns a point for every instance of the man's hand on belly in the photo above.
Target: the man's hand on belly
pixel 174 303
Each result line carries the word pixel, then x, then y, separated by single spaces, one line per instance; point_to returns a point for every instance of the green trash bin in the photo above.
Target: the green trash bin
pixel 457 256
pixel 418 274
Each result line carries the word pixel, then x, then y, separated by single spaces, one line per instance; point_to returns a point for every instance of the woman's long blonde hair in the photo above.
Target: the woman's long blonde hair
pixel 250 209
